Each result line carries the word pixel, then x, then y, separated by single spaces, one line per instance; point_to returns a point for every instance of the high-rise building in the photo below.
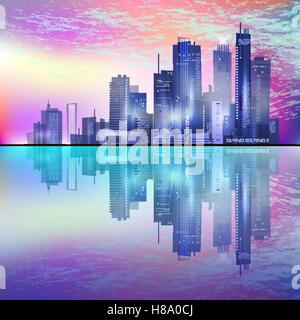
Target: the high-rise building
pixel 217 122
pixel 52 120
pixel 243 194
pixel 260 94
pixel 222 62
pixel 71 120
pixel 274 131
pixel 245 112
pixel 39 133
pixel 89 129
pixel 163 95
pixel 119 88
pixel 137 107
pixel 187 84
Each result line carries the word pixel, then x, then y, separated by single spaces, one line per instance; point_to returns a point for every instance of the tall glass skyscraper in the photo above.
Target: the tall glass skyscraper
pixel 89 129
pixel 71 120
pixel 222 61
pixel 119 89
pixel 52 120
pixel 187 82
pixel 260 94
pixel 245 112
pixel 163 95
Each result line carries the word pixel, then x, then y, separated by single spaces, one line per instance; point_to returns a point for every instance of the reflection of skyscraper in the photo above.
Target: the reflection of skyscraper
pixel 138 175
pixel 118 102
pixel 71 172
pixel 260 91
pixel 187 208
pixel 52 168
pixel 222 221
pixel 243 213
pixel 163 195
pixel 221 197
pixel 260 207
pixel 52 120
pixel 245 113
pixel 187 84
pixel 163 93
pixel 71 120
pixel 118 191
pixel 223 76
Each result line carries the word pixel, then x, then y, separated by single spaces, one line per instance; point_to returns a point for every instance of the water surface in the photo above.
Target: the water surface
pixel 149 223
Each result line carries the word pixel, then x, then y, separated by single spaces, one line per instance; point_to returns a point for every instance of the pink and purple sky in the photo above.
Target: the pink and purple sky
pixel 67 51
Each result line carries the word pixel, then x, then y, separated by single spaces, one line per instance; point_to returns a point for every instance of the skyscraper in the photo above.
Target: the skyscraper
pixel 137 107
pixel 217 123
pixel 52 120
pixel 39 133
pixel 222 61
pixel 260 94
pixel 71 120
pixel 187 83
pixel 163 95
pixel 245 113
pixel 89 129
pixel 118 102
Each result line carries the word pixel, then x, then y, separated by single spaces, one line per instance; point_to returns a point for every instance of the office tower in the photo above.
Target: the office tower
pixel 163 95
pixel 118 102
pixel 76 139
pixel 39 133
pixel 260 94
pixel 100 125
pixel 274 131
pixel 137 101
pixel 204 120
pixel 137 108
pixel 222 62
pixel 187 84
pixel 29 137
pixel 245 113
pixel 229 125
pixel 89 129
pixel 217 123
pixel 52 120
pixel 71 120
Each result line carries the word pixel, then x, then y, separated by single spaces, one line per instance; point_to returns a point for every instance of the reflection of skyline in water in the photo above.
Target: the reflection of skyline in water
pixel 234 182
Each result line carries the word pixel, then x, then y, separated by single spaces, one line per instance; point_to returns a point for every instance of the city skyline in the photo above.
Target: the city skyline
pixel 181 105
pixel 69 56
